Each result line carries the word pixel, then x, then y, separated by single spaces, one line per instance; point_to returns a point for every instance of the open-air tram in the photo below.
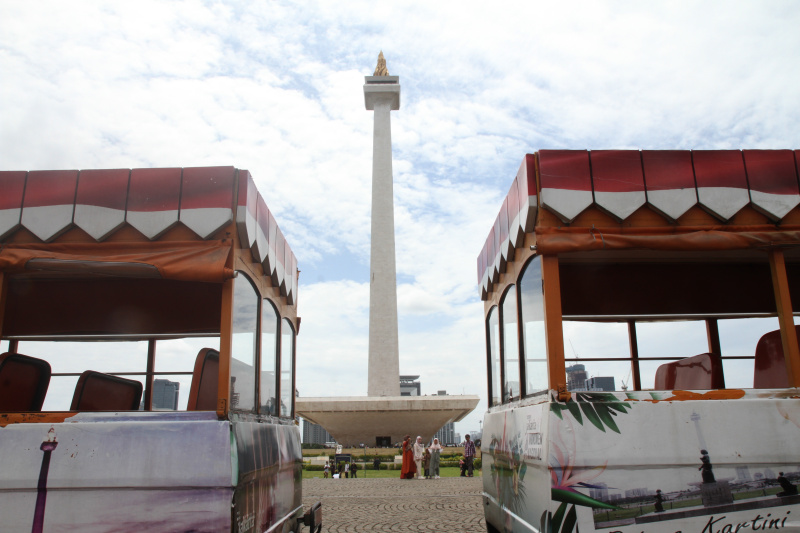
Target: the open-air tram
pixel 148 321
pixel 597 248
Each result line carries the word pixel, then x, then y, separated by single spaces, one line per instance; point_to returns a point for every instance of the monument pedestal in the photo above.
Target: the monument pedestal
pixel 364 419
pixel 717 493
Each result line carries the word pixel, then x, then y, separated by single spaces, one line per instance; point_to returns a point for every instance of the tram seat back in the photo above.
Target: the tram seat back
pixel 701 372
pixel 770 365
pixel 96 391
pixel 23 382
pixel 205 377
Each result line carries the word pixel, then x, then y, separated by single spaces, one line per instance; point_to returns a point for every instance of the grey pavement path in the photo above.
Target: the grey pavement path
pixel 447 505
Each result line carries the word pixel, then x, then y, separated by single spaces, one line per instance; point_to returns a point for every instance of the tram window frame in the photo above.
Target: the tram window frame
pixel 285 322
pixel 506 364
pixel 493 354
pixel 526 372
pixel 266 407
pixel 249 375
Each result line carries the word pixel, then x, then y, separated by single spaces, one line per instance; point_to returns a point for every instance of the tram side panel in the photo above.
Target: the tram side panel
pixel 269 486
pixel 104 472
pixel 658 461
pixel 514 454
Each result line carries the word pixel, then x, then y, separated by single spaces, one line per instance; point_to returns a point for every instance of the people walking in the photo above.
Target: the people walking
pixel 408 468
pixel 435 451
pixel 353 469
pixel 346 470
pixel 326 469
pixel 469 454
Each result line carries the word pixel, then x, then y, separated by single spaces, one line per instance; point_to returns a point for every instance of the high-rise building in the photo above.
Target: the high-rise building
pixel 599 493
pixel 165 394
pixel 576 377
pixel 447 435
pixel 409 386
pixel 315 434
pixel 601 384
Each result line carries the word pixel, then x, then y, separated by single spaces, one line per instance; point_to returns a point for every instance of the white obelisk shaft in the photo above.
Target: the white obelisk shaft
pixel 382 95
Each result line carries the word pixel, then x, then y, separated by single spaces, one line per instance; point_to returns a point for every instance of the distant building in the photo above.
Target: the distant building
pixel 315 434
pixel 636 493
pixel 743 473
pixel 447 435
pixel 600 493
pixel 576 377
pixel 600 384
pixel 165 395
pixel 409 386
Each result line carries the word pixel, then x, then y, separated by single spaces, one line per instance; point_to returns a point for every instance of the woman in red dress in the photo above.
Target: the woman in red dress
pixel 409 468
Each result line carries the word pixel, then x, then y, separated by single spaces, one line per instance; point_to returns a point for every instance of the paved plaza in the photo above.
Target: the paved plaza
pixel 447 505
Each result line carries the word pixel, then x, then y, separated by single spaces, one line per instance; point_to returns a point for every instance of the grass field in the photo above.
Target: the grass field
pixel 374 474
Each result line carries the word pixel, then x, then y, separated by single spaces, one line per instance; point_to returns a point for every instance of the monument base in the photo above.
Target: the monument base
pixel 384 420
pixel 717 493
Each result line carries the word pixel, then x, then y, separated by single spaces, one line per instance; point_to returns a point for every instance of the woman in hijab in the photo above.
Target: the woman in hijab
pixel 436 450
pixel 419 455
pixel 408 469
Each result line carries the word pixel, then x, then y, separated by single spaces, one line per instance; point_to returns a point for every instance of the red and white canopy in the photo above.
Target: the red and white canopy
pixel 619 182
pixel 49 203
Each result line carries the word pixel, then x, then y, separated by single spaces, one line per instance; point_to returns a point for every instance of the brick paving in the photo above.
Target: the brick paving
pixel 447 505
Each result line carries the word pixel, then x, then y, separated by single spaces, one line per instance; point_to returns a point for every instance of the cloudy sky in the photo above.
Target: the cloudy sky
pixel 276 88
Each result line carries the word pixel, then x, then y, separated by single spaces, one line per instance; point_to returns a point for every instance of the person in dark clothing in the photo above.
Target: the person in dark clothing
pixel 786 485
pixel 659 501
pixel 469 454
pixel 707 472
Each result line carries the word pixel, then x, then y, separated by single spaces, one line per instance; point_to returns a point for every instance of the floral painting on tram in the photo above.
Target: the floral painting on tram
pixel 687 466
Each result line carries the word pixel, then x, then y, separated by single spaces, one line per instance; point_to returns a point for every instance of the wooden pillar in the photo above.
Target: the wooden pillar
pixel 783 304
pixel 225 335
pixel 712 332
pixel 3 297
pixel 714 345
pixel 554 332
pixel 148 379
pixel 633 342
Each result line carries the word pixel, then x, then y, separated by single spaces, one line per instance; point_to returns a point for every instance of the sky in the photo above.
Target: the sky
pixel 276 88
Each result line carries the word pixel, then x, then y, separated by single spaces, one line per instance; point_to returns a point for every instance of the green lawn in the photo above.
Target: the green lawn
pixel 450 471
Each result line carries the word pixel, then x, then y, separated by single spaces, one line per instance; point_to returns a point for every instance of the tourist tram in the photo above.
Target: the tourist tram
pixel 604 250
pixel 148 321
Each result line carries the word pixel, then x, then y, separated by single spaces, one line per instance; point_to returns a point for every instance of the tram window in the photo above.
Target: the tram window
pixel 508 313
pixel 243 345
pixel 662 342
pixel 269 357
pixel 602 340
pixel 76 357
pixel 179 356
pixel 738 338
pixel 287 354
pixel 534 344
pixel 493 334
pixel 171 392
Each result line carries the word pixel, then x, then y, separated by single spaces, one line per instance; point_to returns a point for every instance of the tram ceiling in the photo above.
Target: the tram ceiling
pixel 679 289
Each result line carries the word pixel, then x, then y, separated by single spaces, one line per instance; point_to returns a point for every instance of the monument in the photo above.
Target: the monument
pixel 383 417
